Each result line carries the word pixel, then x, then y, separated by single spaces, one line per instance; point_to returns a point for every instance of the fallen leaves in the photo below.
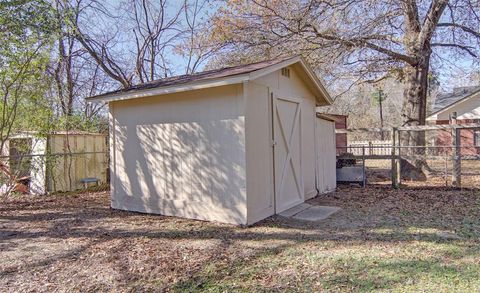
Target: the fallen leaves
pixel 58 243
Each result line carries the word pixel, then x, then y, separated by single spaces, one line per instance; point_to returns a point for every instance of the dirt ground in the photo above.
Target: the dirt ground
pixel 405 240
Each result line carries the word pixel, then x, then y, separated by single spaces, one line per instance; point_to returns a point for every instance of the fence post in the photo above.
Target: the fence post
pixel 457 166
pixel 399 159
pixel 363 166
pixel 446 168
pixel 395 175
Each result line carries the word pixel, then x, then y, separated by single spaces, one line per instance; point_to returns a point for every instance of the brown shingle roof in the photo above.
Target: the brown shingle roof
pixel 205 75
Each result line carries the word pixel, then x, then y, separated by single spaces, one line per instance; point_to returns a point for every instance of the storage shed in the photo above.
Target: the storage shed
pixel 234 145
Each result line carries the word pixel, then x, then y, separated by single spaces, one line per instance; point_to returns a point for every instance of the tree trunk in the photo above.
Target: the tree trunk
pixel 414 109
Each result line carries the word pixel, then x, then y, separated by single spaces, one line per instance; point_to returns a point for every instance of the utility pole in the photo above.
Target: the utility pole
pixel 379 96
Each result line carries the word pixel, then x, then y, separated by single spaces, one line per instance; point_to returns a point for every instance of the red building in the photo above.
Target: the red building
pixel 340 138
pixel 462 106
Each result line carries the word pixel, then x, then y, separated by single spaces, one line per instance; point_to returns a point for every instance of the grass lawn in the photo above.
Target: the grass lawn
pixel 423 239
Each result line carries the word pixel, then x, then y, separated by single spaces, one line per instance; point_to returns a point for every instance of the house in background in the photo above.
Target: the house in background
pixel 233 145
pixel 462 106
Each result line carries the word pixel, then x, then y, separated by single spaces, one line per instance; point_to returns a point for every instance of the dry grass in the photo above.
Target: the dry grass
pixel 382 240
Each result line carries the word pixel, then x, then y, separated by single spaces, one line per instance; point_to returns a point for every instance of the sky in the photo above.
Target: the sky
pixel 452 72
pixel 178 63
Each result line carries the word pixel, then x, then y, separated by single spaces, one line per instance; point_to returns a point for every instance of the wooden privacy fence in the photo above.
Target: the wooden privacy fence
pixel 56 162
pixel 54 173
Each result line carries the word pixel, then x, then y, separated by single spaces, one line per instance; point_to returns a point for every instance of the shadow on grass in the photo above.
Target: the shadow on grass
pixel 92 221
pixel 370 274
pixel 357 274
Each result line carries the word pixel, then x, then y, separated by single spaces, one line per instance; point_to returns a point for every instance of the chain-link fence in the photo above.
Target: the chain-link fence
pixel 442 169
pixel 436 155
pixel 54 173
pixel 446 153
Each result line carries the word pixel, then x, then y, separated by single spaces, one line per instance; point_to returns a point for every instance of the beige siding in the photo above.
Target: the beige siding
pixel 259 152
pixel 326 161
pixel 308 147
pixel 208 154
pixel 294 87
pixel 181 154
pixel 113 149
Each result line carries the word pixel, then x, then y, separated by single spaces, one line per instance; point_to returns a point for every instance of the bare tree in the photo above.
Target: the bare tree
pixel 101 54
pixel 97 43
pixel 197 46
pixel 143 36
pixel 62 72
pixel 368 39
pixel 155 31
pixel 74 72
pixel 376 38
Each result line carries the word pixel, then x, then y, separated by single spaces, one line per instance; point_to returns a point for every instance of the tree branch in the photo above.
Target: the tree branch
pixel 411 14
pixel 462 27
pixel 103 59
pixel 465 48
pixel 431 20
pixel 364 43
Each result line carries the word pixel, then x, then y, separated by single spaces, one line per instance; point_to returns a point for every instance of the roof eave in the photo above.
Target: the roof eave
pixel 318 83
pixel 134 94
pixel 434 115
pixel 214 82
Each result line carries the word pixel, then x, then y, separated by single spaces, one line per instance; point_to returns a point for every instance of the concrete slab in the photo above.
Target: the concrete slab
pixel 295 210
pixel 316 213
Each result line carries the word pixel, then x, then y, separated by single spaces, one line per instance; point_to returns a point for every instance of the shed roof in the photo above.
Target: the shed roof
pixel 447 100
pixel 211 78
